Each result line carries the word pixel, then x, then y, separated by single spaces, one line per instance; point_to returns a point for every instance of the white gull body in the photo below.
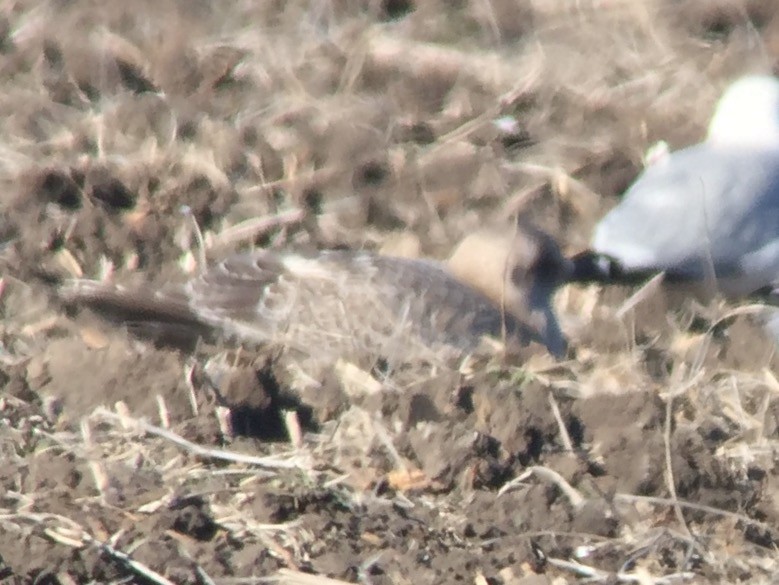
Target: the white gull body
pixel 712 209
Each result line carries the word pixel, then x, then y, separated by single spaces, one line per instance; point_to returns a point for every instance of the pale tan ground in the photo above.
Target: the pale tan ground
pixel 647 455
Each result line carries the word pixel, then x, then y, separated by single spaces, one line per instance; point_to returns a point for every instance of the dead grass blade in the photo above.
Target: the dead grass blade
pixel 647 291
pixel 632 498
pixel 68 532
pixel 274 462
pixel 291 577
pixel 550 475
pixel 252 228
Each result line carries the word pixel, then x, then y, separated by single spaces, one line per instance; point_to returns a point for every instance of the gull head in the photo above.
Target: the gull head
pixel 747 114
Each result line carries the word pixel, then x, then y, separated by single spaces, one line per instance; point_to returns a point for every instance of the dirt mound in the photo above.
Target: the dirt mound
pixel 648 455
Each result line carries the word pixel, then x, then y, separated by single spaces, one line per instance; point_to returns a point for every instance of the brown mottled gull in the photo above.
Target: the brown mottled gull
pixel 333 303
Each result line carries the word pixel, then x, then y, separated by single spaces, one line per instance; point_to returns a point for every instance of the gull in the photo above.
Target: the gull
pixel 332 302
pixel 706 214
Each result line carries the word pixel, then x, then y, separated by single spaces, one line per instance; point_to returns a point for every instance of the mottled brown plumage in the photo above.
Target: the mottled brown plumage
pixel 339 302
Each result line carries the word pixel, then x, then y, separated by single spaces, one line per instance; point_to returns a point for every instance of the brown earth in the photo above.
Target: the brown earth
pixel 646 456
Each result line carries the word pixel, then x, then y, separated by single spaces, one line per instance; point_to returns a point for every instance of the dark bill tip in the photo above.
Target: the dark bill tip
pixel 592 267
pixel 589 266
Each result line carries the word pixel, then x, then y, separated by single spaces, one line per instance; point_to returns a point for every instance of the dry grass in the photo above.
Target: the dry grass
pixel 335 126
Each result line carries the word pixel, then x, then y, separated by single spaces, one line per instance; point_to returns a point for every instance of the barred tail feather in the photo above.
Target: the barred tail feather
pixel 149 314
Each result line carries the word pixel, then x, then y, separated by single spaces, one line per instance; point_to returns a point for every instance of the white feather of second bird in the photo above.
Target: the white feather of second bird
pixel 711 206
